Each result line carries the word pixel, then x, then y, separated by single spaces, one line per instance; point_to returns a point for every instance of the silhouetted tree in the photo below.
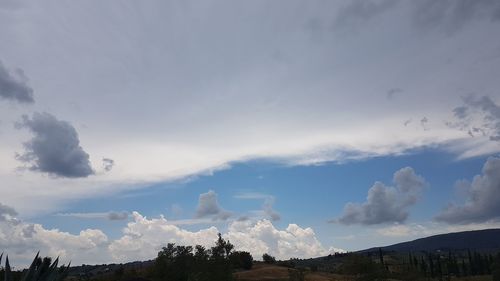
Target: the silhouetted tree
pixel 179 263
pixel 495 268
pixel 268 258
pixel 242 260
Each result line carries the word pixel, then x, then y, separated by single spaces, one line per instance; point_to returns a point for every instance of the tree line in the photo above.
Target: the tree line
pixel 187 263
pixel 445 265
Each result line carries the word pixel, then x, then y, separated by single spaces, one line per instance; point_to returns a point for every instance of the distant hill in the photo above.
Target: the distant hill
pixel 487 240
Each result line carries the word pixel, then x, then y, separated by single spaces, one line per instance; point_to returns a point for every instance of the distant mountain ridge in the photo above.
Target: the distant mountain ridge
pixel 487 240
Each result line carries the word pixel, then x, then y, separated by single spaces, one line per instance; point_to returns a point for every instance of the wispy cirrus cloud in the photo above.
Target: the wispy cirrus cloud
pixel 112 215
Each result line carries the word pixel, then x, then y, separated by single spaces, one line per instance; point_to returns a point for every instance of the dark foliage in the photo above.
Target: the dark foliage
pixel 39 270
pixel 183 263
pixel 268 258
pixel 241 260
pixel 495 268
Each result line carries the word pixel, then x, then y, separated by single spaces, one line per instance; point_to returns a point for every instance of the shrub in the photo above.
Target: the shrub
pixel 268 258
pixel 243 260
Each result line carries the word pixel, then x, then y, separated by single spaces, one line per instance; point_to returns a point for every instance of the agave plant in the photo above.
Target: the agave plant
pixel 39 270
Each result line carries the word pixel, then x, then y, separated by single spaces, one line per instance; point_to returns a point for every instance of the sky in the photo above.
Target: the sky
pixel 294 128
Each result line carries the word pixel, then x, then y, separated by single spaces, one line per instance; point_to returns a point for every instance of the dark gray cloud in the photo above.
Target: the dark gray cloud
pixel 6 212
pixel 208 206
pixel 243 218
pixel 386 204
pixel 452 15
pixel 108 164
pixel 14 86
pixel 391 93
pixel 447 15
pixel 482 202
pixel 112 215
pixel 269 210
pixel 116 216
pixel 28 231
pixel 460 112
pixel 358 11
pixel 55 147
pixel 423 122
pixel 479 116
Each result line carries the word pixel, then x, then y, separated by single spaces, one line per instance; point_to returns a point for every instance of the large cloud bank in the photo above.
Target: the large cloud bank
pixel 142 238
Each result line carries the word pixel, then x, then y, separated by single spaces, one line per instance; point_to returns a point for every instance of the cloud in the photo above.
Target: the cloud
pixel 386 204
pixel 482 202
pixel 208 206
pixel 108 164
pixel 21 240
pixel 393 92
pixel 263 237
pixel 113 216
pixel 270 212
pixel 452 15
pixel 143 238
pixel 423 123
pixel 55 148
pixel 267 206
pixel 14 86
pixel 418 230
pixel 289 100
pixel 6 213
pixel 479 117
pixel 355 12
pixel 117 216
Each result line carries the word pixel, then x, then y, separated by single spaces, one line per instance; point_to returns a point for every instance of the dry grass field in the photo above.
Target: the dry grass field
pixel 313 276
pixel 265 272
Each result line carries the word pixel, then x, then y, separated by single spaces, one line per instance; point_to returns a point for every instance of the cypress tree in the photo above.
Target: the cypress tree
pixel 381 256
pixel 431 266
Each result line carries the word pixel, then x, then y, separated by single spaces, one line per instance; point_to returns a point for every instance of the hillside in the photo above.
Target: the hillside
pixel 487 240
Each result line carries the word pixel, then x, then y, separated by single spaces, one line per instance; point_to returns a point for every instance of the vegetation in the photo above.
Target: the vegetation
pixel 183 263
pixel 39 270
pixel 268 258
pixel 222 263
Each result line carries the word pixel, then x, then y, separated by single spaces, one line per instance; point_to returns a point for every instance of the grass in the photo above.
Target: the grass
pixel 266 272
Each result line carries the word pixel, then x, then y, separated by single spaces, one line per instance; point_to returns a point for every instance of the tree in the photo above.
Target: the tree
pixel 423 266
pixel 222 248
pixel 495 268
pixel 268 258
pixel 381 256
pixel 241 260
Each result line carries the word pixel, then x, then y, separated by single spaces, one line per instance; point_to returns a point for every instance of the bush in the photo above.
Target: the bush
pixel 268 258
pixel 241 260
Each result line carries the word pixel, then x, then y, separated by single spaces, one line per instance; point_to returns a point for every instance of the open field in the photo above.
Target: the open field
pixel 265 272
